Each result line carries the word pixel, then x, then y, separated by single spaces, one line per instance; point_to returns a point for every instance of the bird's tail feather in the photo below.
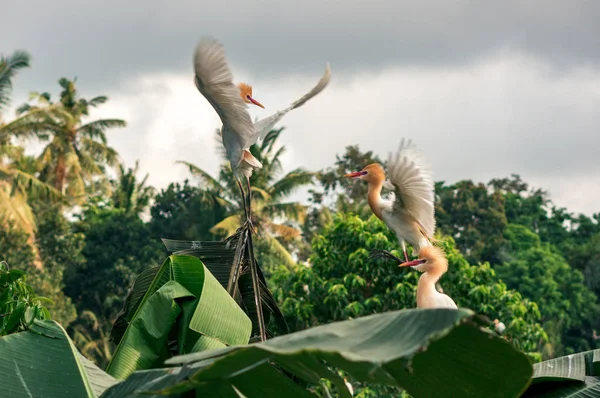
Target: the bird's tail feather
pixel 250 159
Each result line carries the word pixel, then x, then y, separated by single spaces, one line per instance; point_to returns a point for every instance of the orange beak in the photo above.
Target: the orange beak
pixel 412 263
pixel 255 102
pixel 355 174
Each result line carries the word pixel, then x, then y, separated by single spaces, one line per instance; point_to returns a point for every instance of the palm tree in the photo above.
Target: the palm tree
pixel 18 182
pixel 129 194
pixel 273 217
pixel 77 152
pixel 29 124
pixel 17 171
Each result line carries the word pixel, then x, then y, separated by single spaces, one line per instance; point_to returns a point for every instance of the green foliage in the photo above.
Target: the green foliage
pixel 19 305
pixel 57 247
pixel 15 247
pixel 184 309
pixel 185 212
pixel 60 248
pixel 117 246
pixel 567 306
pixel 401 348
pixel 341 283
pixel 586 258
pixel 398 349
pixel 473 217
pixel 129 194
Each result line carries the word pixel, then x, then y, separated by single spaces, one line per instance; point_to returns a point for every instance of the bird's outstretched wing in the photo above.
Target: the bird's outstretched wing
pixel 410 176
pixel 215 81
pixel 263 126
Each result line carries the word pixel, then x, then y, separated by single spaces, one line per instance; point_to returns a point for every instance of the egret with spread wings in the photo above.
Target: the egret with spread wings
pixel 215 81
pixel 410 214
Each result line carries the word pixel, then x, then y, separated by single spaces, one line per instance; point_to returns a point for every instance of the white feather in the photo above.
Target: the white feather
pixel 409 175
pixel 263 126
pixel 215 81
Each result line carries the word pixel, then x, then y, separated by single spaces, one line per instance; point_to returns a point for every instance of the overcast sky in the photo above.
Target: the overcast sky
pixel 486 89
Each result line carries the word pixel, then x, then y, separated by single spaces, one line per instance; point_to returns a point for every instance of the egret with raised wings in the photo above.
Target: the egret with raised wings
pixel 410 214
pixel 433 264
pixel 215 81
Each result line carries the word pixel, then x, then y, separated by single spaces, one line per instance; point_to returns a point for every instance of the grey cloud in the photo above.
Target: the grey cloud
pixel 105 43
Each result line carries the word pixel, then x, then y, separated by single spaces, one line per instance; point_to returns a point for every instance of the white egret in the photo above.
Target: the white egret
pixel 214 80
pixel 410 214
pixel 433 264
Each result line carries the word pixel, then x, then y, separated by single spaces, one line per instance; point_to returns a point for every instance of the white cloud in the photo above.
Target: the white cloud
pixel 507 114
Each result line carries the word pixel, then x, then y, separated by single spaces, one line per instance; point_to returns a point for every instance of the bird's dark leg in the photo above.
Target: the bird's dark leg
pixel 250 205
pixel 378 253
pixel 249 195
pixel 243 197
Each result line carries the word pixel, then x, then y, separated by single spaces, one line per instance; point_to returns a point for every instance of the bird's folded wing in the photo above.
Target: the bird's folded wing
pixel 411 177
pixel 215 81
pixel 263 126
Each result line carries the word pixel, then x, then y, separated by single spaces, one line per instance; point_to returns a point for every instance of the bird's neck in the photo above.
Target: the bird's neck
pixel 426 287
pixel 374 197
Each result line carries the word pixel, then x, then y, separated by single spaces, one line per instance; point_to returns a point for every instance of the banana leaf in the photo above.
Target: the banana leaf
pixel 427 352
pixel 43 362
pixel 574 376
pixel 232 262
pixel 176 309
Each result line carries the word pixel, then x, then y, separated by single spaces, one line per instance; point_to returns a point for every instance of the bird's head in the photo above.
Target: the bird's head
pixel 431 259
pixel 246 94
pixel 373 172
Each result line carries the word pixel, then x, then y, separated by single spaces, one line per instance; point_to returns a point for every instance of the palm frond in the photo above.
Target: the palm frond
pixel 290 210
pixel 31 185
pixel 29 126
pixel 83 162
pixel 270 139
pixel 128 193
pixel 15 211
pixel 279 251
pixel 284 231
pixel 99 100
pixel 97 128
pixel 203 176
pixel 290 182
pixel 99 152
pixel 264 195
pixel 227 226
pixel 9 66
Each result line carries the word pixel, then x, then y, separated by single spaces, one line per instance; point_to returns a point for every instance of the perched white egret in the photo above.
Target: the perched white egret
pixel 499 326
pixel 410 214
pixel 349 387
pixel 433 263
pixel 215 81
